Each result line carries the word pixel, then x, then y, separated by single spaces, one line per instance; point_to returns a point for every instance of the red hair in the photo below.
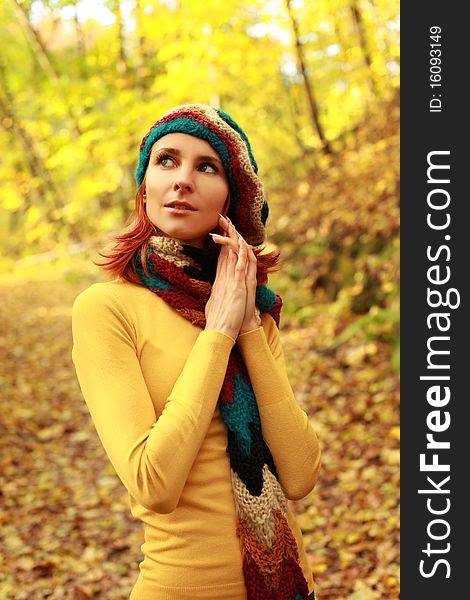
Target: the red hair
pixel 135 237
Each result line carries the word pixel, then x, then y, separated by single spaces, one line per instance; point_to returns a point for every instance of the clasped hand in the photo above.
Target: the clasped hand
pixel 231 308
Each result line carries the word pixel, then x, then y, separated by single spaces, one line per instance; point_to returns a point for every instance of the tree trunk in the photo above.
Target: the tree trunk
pixel 359 24
pixel 144 74
pixel 41 54
pixel 122 63
pixel 312 103
pixel 344 40
pixel 380 26
pixel 294 119
pixel 33 159
pixel 48 192
pixel 81 46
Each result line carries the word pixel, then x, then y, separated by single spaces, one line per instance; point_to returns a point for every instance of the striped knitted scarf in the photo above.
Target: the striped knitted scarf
pixel 182 276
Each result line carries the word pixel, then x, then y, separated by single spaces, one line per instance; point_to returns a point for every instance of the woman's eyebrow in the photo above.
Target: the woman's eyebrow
pixel 170 150
pixel 209 157
pixel 177 152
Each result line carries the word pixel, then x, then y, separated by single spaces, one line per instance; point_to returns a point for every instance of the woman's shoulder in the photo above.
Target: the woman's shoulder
pixel 109 297
pixel 105 291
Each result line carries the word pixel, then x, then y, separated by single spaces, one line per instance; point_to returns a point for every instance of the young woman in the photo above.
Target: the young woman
pixel 179 361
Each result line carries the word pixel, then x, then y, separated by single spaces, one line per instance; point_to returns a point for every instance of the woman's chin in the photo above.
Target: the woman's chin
pixel 183 235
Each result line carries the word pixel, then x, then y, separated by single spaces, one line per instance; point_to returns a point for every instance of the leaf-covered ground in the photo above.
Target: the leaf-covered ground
pixel 65 527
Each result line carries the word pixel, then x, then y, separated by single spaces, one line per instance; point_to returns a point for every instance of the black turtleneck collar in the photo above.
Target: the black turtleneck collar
pixel 206 257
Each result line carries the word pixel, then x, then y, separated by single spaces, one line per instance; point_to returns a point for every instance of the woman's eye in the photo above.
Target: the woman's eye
pixel 164 160
pixel 208 168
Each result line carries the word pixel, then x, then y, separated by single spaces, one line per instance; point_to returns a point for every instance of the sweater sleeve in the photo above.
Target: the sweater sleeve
pixel 286 427
pixel 141 447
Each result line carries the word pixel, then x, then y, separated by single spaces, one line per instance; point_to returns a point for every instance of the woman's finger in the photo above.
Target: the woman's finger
pixel 229 228
pixel 224 224
pixel 251 273
pixel 232 261
pixel 220 261
pixel 225 241
pixel 226 259
pixel 250 254
pixel 241 263
pixel 252 267
pixel 234 242
pixel 234 236
pixel 233 231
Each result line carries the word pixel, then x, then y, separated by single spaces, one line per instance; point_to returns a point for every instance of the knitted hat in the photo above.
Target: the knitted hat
pixel 248 206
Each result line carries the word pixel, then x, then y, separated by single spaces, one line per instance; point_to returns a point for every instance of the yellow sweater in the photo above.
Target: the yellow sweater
pixel 151 381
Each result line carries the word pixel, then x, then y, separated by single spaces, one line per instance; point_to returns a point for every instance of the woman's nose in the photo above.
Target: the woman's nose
pixel 183 183
pixel 183 186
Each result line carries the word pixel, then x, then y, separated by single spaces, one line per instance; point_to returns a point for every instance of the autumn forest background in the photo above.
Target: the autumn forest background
pixel 315 84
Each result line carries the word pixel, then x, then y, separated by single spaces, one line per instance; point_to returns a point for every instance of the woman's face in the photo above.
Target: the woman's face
pixel 184 169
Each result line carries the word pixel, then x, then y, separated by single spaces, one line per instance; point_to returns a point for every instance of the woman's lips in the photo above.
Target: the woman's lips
pixel 179 211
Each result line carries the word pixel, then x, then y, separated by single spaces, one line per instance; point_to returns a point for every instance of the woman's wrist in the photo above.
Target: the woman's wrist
pixel 250 327
pixel 252 324
pixel 227 332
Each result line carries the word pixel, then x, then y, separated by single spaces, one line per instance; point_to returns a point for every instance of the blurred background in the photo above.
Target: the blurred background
pixel 315 85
